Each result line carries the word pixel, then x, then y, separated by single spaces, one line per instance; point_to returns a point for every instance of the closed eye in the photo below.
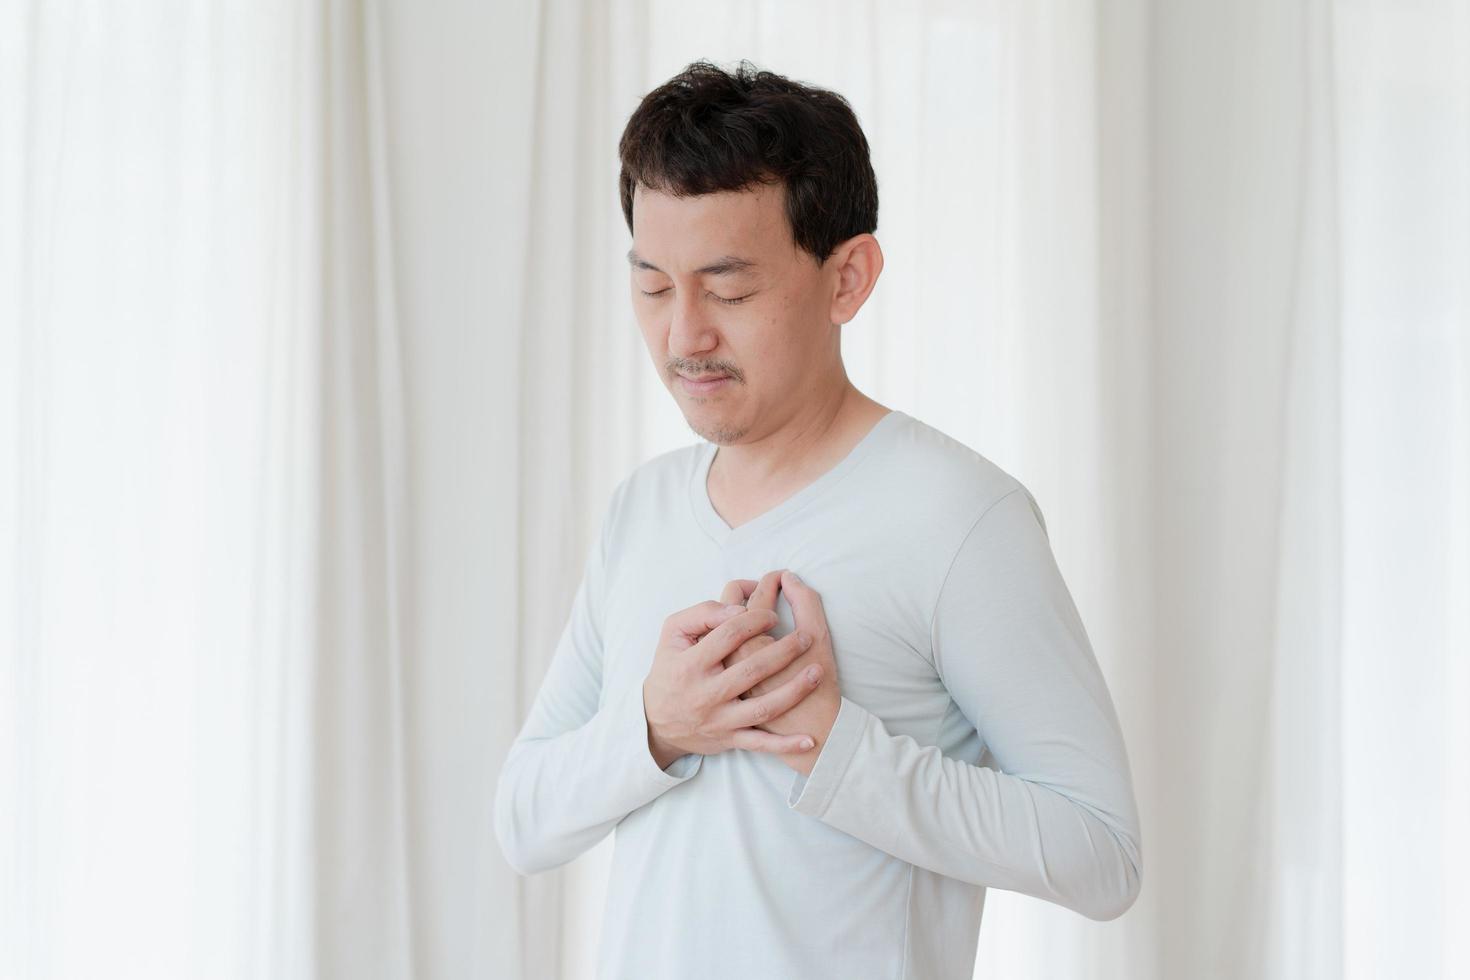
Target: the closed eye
pixel 733 301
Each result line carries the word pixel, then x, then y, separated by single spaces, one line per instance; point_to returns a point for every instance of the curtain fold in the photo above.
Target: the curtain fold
pixel 203 768
pixel 1299 809
pixel 363 923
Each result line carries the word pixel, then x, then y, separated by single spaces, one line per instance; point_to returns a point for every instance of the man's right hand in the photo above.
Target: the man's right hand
pixel 692 701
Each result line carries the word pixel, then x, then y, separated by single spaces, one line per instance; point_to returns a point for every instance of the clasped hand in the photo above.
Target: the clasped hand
pixel 718 681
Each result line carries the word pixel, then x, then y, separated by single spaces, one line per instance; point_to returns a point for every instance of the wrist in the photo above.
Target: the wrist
pixel 666 758
pixel 662 752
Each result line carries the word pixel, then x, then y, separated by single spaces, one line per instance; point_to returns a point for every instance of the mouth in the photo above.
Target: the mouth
pixel 703 384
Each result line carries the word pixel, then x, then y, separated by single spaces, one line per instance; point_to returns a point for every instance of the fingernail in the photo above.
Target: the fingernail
pixel 795 577
pixel 811 673
pixel 807 743
pixel 734 609
pixel 803 639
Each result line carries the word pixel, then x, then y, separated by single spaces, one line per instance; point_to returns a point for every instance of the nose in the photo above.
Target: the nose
pixel 690 332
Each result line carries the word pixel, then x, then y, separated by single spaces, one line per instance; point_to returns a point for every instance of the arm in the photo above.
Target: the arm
pixel 1059 821
pixel 575 770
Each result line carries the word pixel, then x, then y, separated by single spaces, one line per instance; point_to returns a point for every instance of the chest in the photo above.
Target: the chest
pixel 878 620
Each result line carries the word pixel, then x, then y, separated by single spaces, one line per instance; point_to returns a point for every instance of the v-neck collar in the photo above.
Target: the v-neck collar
pixel 722 534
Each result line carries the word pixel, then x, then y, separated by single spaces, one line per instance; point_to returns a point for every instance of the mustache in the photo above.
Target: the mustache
pixel 704 369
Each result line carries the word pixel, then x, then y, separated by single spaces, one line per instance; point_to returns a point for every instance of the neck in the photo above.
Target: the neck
pixel 808 443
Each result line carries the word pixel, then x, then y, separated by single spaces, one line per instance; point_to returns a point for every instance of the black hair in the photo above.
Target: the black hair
pixel 708 129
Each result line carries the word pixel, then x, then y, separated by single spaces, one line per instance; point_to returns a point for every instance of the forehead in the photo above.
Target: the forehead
pixel 684 231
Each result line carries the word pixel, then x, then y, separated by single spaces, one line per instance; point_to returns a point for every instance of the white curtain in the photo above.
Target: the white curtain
pixel 1311 236
pixel 320 365
pixel 201 720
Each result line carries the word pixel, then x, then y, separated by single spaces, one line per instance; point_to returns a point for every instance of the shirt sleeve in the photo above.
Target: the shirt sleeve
pixel 576 769
pixel 1057 820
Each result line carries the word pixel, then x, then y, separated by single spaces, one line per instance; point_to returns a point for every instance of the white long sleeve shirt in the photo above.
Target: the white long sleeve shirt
pixel 976 745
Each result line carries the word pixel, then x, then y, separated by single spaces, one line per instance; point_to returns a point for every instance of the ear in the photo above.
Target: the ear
pixel 857 263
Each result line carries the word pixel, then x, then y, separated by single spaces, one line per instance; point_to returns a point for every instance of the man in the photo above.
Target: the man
pixel 962 734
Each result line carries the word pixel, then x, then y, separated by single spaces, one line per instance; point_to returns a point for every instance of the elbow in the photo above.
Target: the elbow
pixel 516 854
pixel 524 862
pixel 1123 884
pixel 1115 903
pixel 512 845
pixel 519 848
pixel 517 844
pixel 536 829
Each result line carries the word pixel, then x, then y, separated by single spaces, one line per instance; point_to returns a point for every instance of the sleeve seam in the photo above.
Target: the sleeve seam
pixel 939 594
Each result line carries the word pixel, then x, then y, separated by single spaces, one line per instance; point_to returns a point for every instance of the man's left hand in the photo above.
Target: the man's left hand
pixel 815 713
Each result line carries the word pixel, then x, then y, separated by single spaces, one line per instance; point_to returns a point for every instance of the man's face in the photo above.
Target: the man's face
pixel 732 294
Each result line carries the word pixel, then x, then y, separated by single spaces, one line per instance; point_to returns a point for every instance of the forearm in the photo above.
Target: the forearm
pixel 557 796
pixel 973 823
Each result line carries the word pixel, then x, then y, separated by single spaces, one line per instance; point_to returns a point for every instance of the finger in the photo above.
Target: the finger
pixel 747 649
pixel 684 628
pixel 758 741
pixel 759 710
pixel 719 642
pixel 740 654
pixel 806 605
pixel 737 591
pixel 763 596
pixel 742 675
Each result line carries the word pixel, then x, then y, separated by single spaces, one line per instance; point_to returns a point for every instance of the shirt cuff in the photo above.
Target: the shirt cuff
pixel 634 725
pixel 813 794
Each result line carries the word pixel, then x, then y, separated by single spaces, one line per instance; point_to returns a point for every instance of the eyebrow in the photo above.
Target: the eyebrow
pixel 723 266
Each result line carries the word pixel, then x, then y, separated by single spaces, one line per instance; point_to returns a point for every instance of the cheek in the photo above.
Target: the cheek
pixel 781 330
pixel 649 325
pixel 783 342
pixel 790 310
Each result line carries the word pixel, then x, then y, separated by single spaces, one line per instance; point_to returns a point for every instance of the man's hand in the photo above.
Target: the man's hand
pixel 816 714
pixel 692 701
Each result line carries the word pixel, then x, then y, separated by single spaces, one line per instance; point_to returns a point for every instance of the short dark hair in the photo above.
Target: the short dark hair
pixel 708 130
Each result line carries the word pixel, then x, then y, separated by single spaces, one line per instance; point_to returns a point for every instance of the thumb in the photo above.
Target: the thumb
pixel 806 603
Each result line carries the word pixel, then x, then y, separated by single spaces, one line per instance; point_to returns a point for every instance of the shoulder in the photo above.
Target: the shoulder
pixel 669 469
pixel 654 485
pixel 946 479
